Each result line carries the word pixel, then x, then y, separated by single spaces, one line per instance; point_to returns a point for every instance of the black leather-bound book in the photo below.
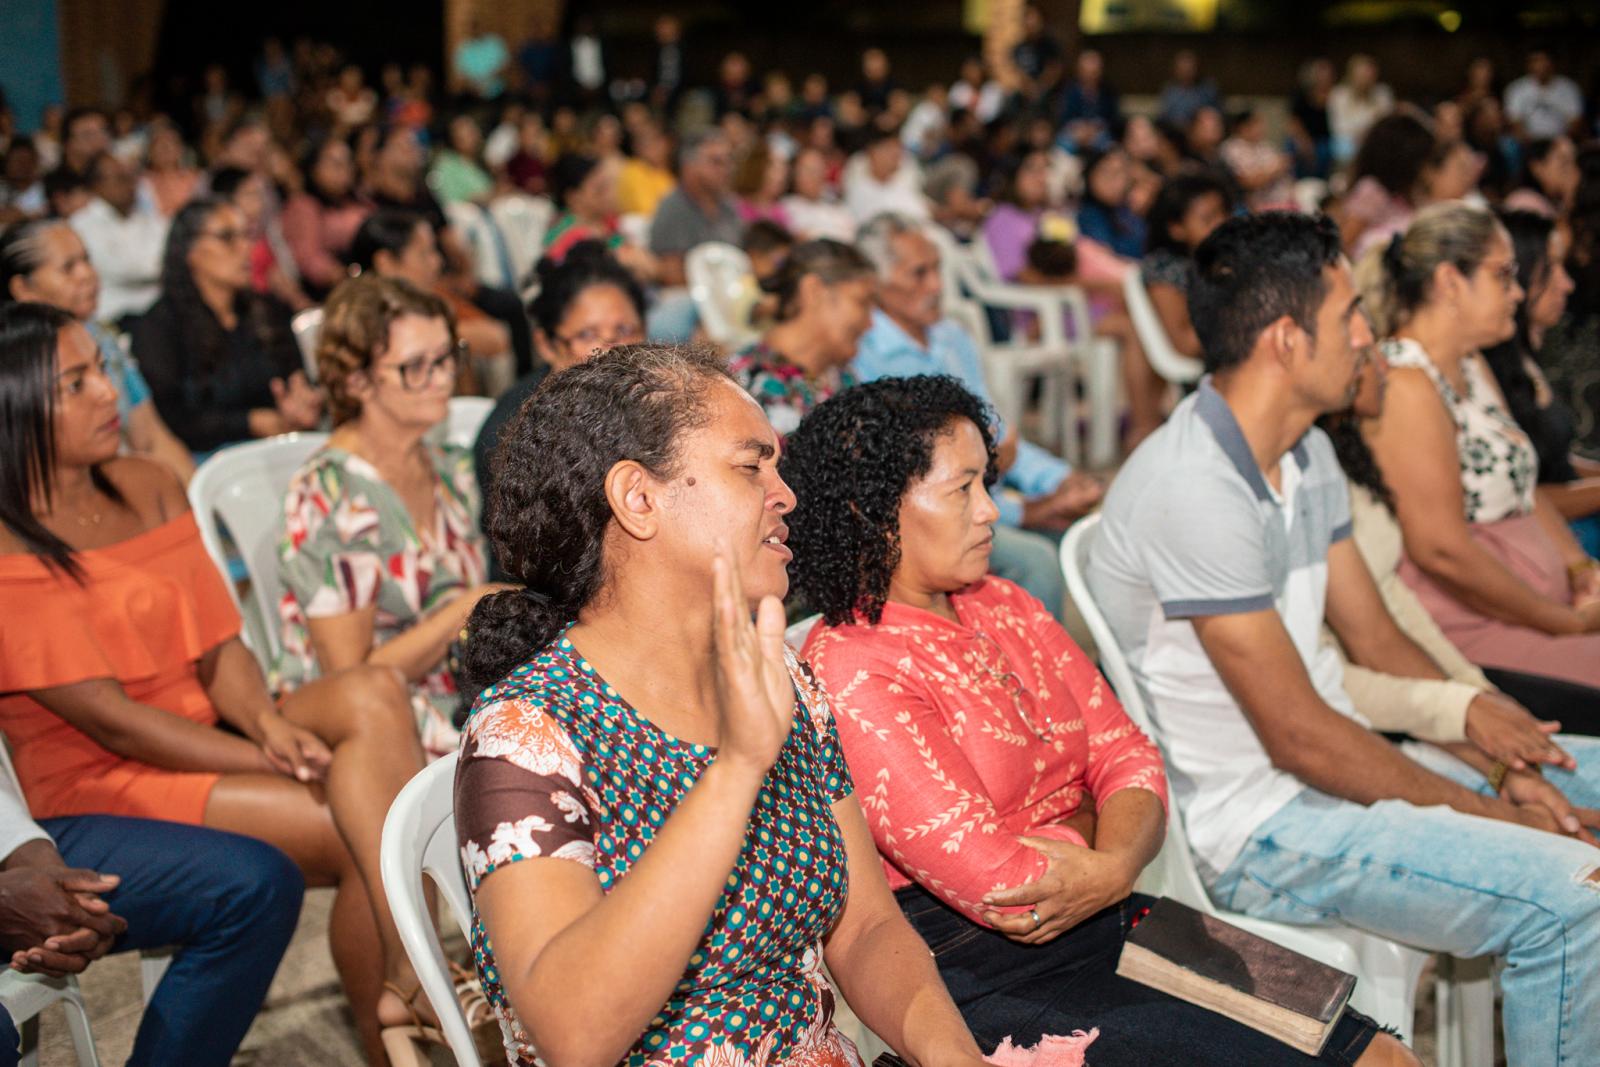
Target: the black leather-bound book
pixel 1201 959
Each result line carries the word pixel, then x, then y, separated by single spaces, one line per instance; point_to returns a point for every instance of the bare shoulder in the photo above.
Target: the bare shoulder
pixel 150 487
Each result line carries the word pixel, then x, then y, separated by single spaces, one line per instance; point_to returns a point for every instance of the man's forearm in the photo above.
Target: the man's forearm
pixel 36 853
pixel 1340 757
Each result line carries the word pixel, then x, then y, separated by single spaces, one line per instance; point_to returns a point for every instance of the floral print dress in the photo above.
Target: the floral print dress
pixel 554 763
pixel 1499 467
pixel 348 543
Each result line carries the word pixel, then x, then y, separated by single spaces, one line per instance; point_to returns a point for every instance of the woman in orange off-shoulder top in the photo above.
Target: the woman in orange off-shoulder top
pixel 124 688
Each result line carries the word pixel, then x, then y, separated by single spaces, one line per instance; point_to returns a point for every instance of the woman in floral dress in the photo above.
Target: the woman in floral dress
pixel 1492 560
pixel 657 827
pixel 381 557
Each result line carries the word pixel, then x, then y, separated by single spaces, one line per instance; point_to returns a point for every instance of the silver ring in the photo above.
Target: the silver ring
pixel 1036 920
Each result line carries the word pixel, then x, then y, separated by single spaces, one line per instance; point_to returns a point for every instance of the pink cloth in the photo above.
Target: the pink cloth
pixel 964 737
pixel 1053 1050
pixel 1523 547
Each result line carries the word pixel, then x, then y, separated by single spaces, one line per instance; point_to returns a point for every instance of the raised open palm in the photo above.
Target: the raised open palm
pixel 754 692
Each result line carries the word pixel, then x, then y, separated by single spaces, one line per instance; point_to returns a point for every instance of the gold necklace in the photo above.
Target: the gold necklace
pixel 92 520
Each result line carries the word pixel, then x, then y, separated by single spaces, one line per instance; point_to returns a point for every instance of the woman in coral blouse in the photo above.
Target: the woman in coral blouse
pixel 1012 801
pixel 124 688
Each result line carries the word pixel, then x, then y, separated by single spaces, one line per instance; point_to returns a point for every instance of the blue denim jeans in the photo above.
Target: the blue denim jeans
pixel 227 904
pixel 1004 989
pixel 1447 882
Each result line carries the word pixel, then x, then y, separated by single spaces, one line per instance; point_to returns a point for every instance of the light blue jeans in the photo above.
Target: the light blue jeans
pixel 1440 880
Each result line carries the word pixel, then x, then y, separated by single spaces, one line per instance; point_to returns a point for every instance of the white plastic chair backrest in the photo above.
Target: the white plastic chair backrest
pixel 523 221
pixel 717 274
pixel 1165 359
pixel 479 231
pixel 1172 872
pixel 307 327
pixel 970 317
pixel 466 419
pixel 419 838
pixel 635 229
pixel 243 486
pixel 797 632
pixel 952 264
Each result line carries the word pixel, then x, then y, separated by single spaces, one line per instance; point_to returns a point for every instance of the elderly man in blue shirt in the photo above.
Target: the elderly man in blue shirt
pixel 910 336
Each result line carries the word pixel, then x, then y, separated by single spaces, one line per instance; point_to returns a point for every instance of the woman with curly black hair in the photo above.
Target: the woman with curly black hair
pixel 653 768
pixel 220 358
pixel 1013 803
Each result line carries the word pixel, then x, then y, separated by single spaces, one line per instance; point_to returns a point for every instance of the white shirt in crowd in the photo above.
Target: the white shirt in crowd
pixel 126 252
pixel 984 103
pixel 1350 116
pixel 17 827
pixel 866 197
pixel 923 129
pixel 1547 110
pixel 812 219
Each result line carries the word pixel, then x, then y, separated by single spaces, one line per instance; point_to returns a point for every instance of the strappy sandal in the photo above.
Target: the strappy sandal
pixel 401 1043
pixel 481 1020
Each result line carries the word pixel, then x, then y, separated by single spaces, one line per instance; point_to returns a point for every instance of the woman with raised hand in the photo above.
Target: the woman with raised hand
pixel 657 772
pixel 125 690
pixel 1012 802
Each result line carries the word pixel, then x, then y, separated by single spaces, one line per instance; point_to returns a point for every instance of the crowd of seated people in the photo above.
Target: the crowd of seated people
pixel 1353 569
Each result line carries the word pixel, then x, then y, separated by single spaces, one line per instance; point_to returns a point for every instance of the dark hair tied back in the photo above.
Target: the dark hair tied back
pixel 1394 260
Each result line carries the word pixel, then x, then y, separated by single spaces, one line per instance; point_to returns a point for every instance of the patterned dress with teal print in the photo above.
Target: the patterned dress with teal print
pixel 555 763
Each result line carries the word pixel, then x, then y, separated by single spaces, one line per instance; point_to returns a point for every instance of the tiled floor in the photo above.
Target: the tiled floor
pixel 304 1023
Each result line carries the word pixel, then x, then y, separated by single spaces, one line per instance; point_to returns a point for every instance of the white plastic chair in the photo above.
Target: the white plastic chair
pixel 1387 971
pixel 478 228
pixel 307 327
pixel 419 838
pixel 1166 360
pixel 243 486
pixel 522 221
pixel 719 281
pixel 24 996
pixel 1058 359
pixel 797 632
pixel 466 417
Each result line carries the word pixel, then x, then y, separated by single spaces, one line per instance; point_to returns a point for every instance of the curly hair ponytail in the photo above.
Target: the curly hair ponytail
pixel 547 508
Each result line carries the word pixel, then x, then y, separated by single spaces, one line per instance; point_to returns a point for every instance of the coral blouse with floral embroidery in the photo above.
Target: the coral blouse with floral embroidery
pixel 555 763
pixel 963 737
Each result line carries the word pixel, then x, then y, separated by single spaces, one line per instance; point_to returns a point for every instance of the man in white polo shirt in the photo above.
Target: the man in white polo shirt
pixel 1225 544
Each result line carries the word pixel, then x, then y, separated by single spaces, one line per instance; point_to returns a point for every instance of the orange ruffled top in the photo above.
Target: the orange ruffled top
pixel 147 610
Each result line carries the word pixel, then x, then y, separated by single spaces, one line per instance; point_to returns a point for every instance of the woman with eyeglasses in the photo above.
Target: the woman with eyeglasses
pixel 588 303
pixel 1493 560
pixel 220 358
pixel 1012 801
pixel 381 557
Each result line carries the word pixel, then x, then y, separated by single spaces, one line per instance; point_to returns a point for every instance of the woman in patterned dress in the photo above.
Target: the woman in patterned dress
pixel 1012 801
pixel 824 290
pixel 658 830
pixel 1494 562
pixel 381 557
